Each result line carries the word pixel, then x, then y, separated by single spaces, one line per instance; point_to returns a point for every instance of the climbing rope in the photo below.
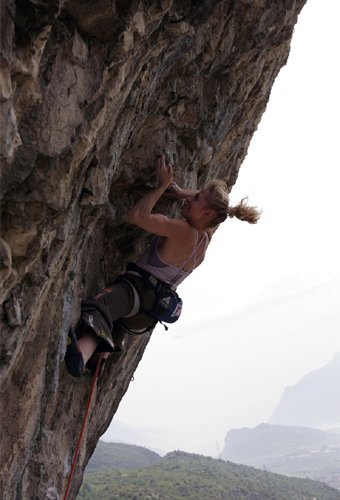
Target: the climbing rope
pixel 75 456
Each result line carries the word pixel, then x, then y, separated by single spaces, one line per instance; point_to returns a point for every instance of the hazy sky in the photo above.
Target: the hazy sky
pixel 263 309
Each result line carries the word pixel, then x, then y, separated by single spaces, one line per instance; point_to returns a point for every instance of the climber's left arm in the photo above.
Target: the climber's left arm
pixel 141 213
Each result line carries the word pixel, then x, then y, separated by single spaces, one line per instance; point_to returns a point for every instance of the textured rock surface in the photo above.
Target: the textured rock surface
pixel 89 92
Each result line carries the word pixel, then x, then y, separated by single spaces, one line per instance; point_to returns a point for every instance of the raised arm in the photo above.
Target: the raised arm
pixel 141 213
pixel 175 191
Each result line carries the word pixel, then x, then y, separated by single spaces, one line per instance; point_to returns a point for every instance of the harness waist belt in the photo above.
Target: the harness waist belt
pixel 145 274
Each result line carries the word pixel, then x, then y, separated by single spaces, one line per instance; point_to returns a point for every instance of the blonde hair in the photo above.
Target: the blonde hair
pixel 219 202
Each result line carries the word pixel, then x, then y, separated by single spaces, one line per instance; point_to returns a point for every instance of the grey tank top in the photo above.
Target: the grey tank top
pixel 173 275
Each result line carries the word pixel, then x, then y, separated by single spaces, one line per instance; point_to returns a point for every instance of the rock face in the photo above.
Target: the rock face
pixel 90 92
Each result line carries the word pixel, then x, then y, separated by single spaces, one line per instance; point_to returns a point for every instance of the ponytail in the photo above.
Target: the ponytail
pixel 219 202
pixel 244 212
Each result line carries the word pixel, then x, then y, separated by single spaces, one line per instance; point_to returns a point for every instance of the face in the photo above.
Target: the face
pixel 196 206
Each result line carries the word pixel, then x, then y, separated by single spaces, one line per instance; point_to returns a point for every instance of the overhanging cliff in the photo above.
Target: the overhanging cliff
pixel 90 92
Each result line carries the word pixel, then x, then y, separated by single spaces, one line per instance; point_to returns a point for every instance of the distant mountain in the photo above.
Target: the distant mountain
pixel 314 401
pixel 270 441
pixel 181 475
pixel 120 456
pixel 122 433
pixel 291 450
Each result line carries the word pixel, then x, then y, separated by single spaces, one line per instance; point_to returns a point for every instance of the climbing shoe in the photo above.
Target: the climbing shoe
pixel 73 357
pixel 91 365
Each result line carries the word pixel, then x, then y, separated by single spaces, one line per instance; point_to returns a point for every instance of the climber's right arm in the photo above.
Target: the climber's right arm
pixel 141 213
pixel 175 191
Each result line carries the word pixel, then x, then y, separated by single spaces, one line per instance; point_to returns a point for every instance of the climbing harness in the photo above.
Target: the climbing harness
pixel 168 304
pixel 75 456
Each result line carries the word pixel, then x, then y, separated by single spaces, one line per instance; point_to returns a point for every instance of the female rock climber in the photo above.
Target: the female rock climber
pixel 178 247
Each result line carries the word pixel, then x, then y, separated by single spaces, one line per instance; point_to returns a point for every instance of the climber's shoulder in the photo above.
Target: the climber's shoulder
pixel 162 225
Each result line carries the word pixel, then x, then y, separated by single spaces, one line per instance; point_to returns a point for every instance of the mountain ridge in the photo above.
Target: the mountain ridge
pixel 314 400
pixel 181 475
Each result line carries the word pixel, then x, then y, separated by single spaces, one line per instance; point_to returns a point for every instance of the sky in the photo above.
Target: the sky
pixel 263 309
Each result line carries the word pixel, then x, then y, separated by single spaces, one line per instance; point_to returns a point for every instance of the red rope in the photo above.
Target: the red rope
pixel 75 456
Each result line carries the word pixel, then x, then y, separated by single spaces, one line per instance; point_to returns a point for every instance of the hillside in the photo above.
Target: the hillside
pixel 120 456
pixel 181 475
pixel 295 451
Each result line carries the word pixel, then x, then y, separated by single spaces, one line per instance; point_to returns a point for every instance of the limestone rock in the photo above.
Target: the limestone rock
pixel 89 93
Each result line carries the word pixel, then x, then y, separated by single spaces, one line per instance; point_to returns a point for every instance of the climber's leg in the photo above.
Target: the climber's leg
pixel 74 358
pixel 98 315
pixel 93 333
pixel 91 365
pixel 100 312
pixel 87 345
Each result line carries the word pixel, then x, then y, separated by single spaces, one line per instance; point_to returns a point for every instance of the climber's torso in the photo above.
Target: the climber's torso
pixel 172 261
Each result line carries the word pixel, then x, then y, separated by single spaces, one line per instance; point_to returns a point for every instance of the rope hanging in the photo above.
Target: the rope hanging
pixel 75 456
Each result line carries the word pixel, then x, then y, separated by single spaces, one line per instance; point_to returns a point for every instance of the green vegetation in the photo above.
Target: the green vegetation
pixel 181 475
pixel 120 456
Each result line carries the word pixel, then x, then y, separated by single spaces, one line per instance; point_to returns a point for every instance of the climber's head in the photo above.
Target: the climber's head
pixel 210 206
pixel 197 211
pixel 218 201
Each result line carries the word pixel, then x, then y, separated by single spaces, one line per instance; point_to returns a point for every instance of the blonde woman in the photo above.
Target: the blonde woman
pixel 146 293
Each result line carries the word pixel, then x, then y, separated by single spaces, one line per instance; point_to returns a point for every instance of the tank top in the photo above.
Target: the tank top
pixel 173 275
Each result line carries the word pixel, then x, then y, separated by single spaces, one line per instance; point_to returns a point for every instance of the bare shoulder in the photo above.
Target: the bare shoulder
pixel 180 229
pixel 165 226
pixel 210 232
